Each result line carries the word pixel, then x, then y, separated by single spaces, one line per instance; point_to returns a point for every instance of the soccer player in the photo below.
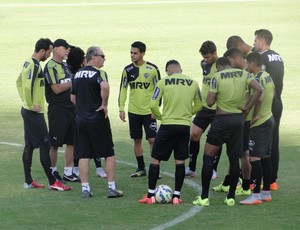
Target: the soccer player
pixel 203 118
pixel 31 89
pixel 141 77
pixel 238 61
pixel 261 133
pixel 237 42
pixel 61 111
pixel 76 60
pixel 274 65
pixel 174 132
pixel 93 133
pixel 227 90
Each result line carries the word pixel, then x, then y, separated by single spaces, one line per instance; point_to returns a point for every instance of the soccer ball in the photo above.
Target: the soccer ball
pixel 163 194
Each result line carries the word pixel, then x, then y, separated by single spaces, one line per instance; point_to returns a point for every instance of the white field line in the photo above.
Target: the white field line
pixel 122 3
pixel 193 211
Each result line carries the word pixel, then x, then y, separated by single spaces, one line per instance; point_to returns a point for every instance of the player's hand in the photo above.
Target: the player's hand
pixel 104 109
pixel 153 117
pixel 37 108
pixel 122 116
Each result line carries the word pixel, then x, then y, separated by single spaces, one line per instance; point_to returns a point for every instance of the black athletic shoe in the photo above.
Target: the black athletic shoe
pixel 71 178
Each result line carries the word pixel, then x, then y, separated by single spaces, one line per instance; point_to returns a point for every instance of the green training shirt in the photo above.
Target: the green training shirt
pixel 208 71
pixel 265 111
pixel 181 99
pixel 141 80
pixel 230 85
pixel 31 85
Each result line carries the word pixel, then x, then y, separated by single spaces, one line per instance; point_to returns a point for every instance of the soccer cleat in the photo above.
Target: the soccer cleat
pixel 139 173
pixel 221 188
pixel 101 173
pixel 87 194
pixel 113 193
pixel 274 186
pixel 242 192
pixel 146 200
pixel 71 178
pixel 266 196
pixel 176 200
pixel 201 202
pixel 229 201
pixel 253 199
pixel 189 172
pixel 33 184
pixel 57 185
pixel 214 175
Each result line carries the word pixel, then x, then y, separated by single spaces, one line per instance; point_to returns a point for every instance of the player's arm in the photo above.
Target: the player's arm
pixel 212 93
pixel 197 102
pixel 104 85
pixel 123 95
pixel 258 91
pixel 56 86
pixel 156 79
pixel 19 86
pixel 154 103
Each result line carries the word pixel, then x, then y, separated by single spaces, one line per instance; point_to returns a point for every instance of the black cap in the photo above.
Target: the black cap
pixel 61 42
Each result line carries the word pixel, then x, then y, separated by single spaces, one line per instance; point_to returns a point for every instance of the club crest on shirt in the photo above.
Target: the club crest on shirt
pixel 146 75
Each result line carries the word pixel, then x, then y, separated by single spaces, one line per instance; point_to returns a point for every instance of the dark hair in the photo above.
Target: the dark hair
pixel 75 59
pixel 42 44
pixel 172 62
pixel 265 34
pixel 233 52
pixel 234 41
pixel 223 61
pixel 256 58
pixel 140 45
pixel 208 47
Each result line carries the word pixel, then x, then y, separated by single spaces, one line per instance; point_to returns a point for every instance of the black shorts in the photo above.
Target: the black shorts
pixel 171 138
pixel 61 125
pixel 261 136
pixel 246 135
pixel 35 129
pixel 136 123
pixel 93 139
pixel 204 118
pixel 229 129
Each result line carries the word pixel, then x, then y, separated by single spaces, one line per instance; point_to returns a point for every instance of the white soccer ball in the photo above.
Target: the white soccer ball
pixel 163 194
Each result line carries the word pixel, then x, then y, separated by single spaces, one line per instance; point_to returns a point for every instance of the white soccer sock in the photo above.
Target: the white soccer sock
pixel 176 193
pixel 85 186
pixel 76 171
pixel 68 171
pixel 112 185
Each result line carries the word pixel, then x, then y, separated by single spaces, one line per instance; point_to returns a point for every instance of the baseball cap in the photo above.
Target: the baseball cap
pixel 61 42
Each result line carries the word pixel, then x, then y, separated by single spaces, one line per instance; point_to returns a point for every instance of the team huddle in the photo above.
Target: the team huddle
pixel 240 99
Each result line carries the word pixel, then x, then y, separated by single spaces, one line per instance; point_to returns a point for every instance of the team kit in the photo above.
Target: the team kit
pixel 239 104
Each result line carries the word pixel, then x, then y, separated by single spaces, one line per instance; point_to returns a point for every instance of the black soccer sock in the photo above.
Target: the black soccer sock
pixel 234 173
pixel 179 178
pixel 98 162
pixel 206 174
pixel 194 151
pixel 256 175
pixel 226 181
pixel 246 184
pixel 152 177
pixel 217 159
pixel 27 161
pixel 46 162
pixel 267 172
pixel 75 162
pixel 141 163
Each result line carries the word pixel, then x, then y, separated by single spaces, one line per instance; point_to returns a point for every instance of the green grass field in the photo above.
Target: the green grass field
pixel 171 30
